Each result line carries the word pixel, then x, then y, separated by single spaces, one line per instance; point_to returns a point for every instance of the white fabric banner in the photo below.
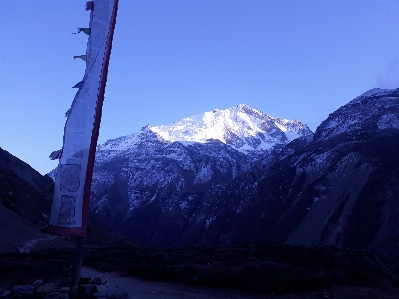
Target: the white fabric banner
pixel 69 209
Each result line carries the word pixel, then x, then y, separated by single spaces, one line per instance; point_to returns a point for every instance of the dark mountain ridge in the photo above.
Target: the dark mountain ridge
pixel 336 187
pixel 340 188
pixel 24 208
pixel 24 190
pixel 24 171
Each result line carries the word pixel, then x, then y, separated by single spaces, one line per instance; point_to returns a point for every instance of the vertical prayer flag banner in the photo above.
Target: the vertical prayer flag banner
pixel 69 211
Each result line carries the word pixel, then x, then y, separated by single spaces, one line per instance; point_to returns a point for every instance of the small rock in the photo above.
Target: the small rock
pixel 38 283
pixel 23 290
pixel 99 280
pixel 102 288
pixel 47 288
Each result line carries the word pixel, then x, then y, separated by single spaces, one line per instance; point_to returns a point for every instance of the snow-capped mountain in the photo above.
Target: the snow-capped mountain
pixel 146 179
pixel 241 127
pixel 338 188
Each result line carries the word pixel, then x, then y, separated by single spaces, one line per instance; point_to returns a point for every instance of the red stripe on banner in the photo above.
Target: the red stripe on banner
pixel 81 231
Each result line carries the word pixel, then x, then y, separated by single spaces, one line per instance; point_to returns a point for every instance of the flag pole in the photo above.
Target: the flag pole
pixel 77 261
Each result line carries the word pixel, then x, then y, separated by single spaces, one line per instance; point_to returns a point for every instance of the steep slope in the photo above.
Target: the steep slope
pixel 24 171
pixel 24 190
pixel 340 188
pixel 138 190
pixel 150 185
pixel 24 213
pixel 22 198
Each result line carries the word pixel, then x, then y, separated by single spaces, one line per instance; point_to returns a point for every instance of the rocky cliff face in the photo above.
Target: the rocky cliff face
pixel 151 185
pixel 339 188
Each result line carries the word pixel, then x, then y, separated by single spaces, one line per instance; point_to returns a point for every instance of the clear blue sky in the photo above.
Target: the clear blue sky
pixel 173 59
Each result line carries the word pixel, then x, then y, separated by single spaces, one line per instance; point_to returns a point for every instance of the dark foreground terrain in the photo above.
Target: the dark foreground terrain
pixel 286 271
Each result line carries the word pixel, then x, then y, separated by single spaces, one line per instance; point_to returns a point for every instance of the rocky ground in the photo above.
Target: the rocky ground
pixel 286 271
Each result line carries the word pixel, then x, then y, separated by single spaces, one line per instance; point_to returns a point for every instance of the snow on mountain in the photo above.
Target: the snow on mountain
pixel 374 109
pixel 241 127
pixel 124 144
pixel 338 188
pixel 163 171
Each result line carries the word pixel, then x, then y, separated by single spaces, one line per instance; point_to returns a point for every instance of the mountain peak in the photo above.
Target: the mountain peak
pixel 242 127
pixel 241 107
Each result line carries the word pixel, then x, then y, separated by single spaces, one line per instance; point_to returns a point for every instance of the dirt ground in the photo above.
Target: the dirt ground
pixel 195 273
pixel 143 289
